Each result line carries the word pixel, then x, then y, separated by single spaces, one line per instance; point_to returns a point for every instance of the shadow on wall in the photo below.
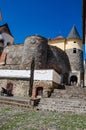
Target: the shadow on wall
pixel 58 60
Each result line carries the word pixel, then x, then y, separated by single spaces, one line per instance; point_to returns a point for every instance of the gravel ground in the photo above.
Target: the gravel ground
pixel 16 118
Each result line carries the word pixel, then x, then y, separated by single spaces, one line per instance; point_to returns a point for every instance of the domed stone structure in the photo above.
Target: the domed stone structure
pixel 35 46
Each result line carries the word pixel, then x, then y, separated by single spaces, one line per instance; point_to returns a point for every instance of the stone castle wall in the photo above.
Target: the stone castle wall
pixel 21 87
pixel 58 60
pixel 36 47
pixel 75 59
pixel 46 57
pixel 14 57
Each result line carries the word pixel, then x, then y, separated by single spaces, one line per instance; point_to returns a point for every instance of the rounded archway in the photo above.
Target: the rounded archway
pixel 73 80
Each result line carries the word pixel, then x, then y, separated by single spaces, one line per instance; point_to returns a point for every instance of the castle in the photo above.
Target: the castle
pixel 58 62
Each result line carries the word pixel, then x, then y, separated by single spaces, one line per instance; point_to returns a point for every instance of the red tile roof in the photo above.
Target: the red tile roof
pixel 58 38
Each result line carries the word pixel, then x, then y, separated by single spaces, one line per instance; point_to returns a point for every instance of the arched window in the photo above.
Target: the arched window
pixel 74 50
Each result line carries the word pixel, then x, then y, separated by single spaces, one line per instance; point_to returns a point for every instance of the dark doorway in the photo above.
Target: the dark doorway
pixel 73 80
pixel 39 91
pixel 9 88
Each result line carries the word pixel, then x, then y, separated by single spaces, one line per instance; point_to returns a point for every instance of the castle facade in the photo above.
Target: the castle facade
pixel 63 55
pixel 73 47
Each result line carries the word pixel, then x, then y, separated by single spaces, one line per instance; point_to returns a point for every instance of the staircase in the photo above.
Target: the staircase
pixel 69 92
pixel 71 99
pixel 73 105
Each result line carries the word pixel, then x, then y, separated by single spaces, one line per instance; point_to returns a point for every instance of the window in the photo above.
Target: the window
pixel 8 43
pixel 74 50
pixel 74 41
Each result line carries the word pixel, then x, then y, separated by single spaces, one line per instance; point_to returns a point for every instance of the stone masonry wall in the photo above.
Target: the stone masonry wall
pixel 14 57
pixel 36 47
pixel 58 60
pixel 75 59
pixel 20 86
pixel 46 56
pixel 48 87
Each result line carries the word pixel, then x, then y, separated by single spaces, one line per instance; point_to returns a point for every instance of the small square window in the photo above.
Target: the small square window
pixel 74 41
pixel 74 50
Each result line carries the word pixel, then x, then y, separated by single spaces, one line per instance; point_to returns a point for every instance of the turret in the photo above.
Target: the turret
pixel 75 53
pixel 6 34
pixel 35 46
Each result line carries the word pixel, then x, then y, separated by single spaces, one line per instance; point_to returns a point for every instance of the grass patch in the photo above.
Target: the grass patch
pixel 21 119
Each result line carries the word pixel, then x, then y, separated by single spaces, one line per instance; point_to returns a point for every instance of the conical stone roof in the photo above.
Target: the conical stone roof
pixel 73 33
pixel 5 29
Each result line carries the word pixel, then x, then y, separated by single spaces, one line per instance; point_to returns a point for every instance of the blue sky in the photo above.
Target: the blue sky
pixel 48 18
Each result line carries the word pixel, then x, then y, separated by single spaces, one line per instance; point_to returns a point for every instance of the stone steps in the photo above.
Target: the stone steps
pixel 16 101
pixel 69 92
pixel 63 105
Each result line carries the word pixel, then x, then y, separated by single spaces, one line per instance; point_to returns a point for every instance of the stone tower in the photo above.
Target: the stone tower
pixel 35 46
pixel 6 34
pixel 75 54
pixel 84 37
